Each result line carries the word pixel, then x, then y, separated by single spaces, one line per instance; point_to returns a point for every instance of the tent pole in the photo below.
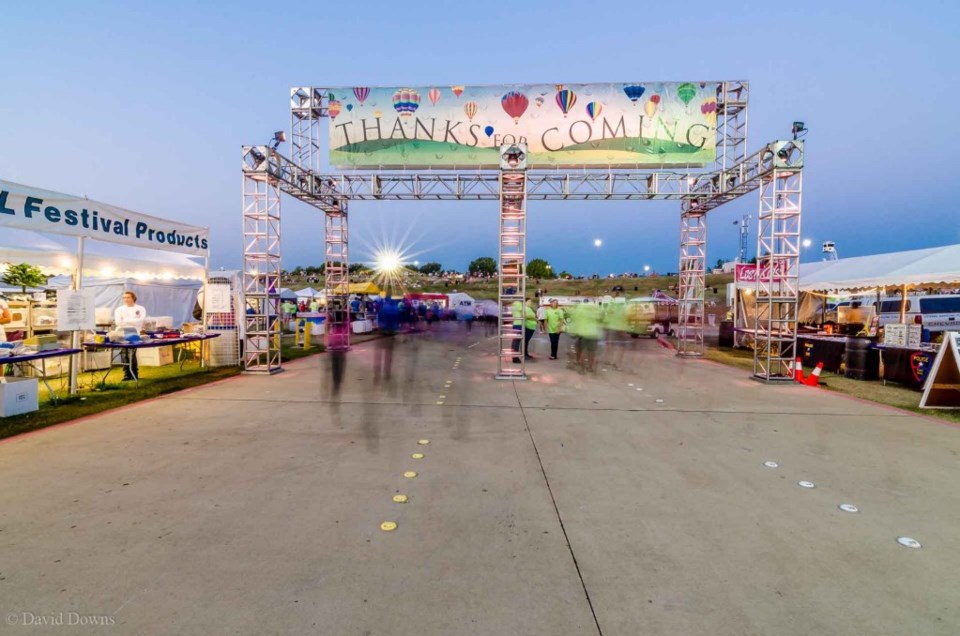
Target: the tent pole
pixel 903 304
pixel 203 307
pixel 75 335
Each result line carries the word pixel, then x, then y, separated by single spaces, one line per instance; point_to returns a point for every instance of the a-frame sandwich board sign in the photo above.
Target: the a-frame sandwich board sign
pixel 942 390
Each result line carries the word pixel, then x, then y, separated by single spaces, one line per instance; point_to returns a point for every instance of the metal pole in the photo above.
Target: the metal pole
pixel 203 305
pixel 75 335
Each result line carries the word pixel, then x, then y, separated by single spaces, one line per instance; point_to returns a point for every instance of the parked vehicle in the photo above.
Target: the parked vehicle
pixel 649 317
pixel 936 313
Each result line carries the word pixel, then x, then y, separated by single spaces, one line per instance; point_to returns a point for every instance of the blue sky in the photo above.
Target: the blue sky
pixel 146 105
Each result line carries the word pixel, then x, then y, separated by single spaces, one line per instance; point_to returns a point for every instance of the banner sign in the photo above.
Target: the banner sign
pixel 43 211
pixel 625 125
pixel 747 272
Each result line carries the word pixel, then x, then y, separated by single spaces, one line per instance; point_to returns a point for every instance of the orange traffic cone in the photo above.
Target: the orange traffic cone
pixel 798 370
pixel 814 378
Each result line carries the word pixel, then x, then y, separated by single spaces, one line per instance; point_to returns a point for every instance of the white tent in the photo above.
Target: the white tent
pixel 175 298
pixel 460 303
pixel 309 292
pixel 56 255
pixel 933 267
pixel 287 294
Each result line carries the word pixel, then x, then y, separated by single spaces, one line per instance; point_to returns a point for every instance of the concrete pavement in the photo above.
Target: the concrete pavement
pixel 568 504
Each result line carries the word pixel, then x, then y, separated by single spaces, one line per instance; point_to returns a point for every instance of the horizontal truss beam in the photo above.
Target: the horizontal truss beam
pixel 700 192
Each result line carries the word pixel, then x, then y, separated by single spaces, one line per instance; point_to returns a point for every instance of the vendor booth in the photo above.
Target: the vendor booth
pixel 877 317
pixel 93 252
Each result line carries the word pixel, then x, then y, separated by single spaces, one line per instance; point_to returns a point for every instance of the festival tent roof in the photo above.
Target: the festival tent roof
pixel 287 294
pixel 364 288
pixel 935 266
pixel 56 255
pixel 308 292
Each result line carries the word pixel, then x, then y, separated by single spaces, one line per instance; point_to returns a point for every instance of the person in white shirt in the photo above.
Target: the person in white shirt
pixel 5 318
pixel 542 318
pixel 129 314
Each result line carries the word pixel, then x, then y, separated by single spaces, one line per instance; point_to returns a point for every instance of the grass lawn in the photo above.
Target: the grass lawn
pixel 889 394
pixel 154 382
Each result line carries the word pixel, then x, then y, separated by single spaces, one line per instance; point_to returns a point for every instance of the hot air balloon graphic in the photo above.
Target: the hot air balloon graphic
pixel 406 101
pixel 349 107
pixel 650 108
pixel 709 108
pixel 488 130
pixel 593 109
pixel 457 90
pixel 434 95
pixel 515 104
pixel 686 92
pixel 361 92
pixel 333 108
pixel 559 87
pixel 470 108
pixel 566 98
pixel 539 102
pixel 634 91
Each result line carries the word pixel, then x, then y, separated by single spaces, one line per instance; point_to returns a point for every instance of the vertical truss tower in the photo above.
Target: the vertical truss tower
pixel 512 264
pixel 261 265
pixel 778 265
pixel 337 278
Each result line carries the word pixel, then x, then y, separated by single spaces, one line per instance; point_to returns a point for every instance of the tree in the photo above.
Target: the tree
pixel 24 275
pixel 357 268
pixel 720 263
pixel 539 268
pixel 431 268
pixel 565 275
pixel 483 265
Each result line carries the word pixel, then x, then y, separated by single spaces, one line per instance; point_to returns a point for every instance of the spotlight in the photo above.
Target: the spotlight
pixel 798 130
pixel 513 157
pixel 278 138
pixel 807 242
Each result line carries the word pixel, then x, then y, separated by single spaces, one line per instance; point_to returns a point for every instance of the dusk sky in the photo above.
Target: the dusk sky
pixel 146 105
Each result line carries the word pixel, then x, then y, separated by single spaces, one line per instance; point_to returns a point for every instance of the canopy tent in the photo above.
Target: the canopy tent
pixel 461 303
pixel 287 294
pixel 54 257
pixel 308 292
pixel 364 288
pixel 932 267
pixel 488 308
pixel 175 298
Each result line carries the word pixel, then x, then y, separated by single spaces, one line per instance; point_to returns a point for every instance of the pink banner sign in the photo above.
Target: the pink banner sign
pixel 747 272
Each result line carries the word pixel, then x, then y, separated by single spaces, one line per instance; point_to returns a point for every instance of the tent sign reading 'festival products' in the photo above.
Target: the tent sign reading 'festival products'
pixel 627 125
pixel 29 208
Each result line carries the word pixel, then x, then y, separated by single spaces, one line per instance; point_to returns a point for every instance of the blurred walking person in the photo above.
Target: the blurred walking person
pixel 525 322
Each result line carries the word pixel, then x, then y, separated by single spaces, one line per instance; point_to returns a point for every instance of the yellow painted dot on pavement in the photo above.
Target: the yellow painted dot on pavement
pixel 439 402
pixel 417 456
pixel 400 498
pixel 388 526
pixel 410 474
pixel 423 442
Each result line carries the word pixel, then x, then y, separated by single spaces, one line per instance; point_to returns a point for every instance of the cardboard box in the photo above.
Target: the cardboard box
pixel 155 356
pixel 18 395
pixel 93 360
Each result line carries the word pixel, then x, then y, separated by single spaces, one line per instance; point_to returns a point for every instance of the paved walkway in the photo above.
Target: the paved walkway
pixel 568 504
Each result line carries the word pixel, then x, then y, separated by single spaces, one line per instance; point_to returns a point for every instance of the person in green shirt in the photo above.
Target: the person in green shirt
pixel 524 320
pixel 554 319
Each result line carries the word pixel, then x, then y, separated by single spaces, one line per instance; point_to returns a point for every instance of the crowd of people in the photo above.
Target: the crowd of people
pixel 587 323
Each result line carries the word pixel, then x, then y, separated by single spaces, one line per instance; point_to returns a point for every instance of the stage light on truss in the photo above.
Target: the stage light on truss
pixel 278 138
pixel 798 130
pixel 513 157
pixel 253 158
